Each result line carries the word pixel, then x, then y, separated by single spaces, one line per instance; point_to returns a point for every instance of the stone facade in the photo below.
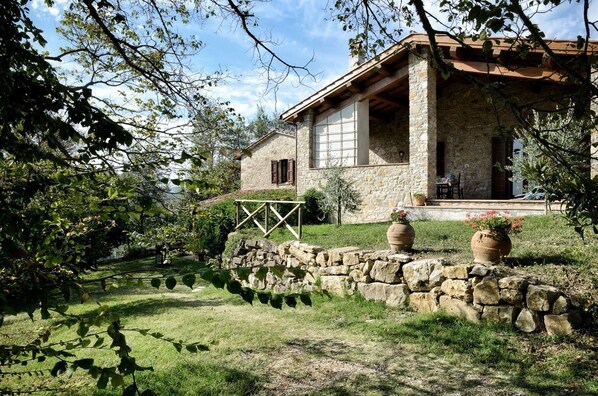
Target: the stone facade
pixel 402 150
pixel 256 170
pixel 472 292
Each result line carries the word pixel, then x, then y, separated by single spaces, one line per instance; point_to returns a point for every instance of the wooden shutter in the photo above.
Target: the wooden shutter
pixel 291 171
pixel 274 171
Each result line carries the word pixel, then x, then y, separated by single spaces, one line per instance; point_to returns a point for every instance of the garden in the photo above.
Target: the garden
pixel 205 340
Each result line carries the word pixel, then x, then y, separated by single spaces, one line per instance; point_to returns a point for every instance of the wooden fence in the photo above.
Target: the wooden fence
pixel 265 208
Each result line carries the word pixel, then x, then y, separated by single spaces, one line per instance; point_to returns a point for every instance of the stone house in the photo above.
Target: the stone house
pixel 271 164
pixel 397 125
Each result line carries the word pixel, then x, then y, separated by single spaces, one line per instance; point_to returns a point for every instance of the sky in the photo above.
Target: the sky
pixel 303 30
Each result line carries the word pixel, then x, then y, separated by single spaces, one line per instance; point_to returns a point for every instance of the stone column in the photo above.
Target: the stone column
pixel 304 149
pixel 422 124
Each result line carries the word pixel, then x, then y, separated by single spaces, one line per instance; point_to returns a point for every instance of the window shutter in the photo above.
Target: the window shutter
pixel 291 171
pixel 274 171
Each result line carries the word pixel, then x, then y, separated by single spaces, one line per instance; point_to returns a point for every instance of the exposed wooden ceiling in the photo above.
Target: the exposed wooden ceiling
pixel 384 80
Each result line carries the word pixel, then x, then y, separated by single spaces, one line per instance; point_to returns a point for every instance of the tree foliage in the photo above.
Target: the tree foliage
pixel 339 194
pixel 79 170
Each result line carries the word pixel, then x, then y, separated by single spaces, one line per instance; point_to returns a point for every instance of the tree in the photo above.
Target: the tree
pixel 517 23
pixel 263 124
pixel 63 151
pixel 557 171
pixel 339 194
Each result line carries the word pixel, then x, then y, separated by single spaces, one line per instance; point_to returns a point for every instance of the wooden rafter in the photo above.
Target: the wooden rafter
pixel 354 87
pixel 391 101
pixel 494 69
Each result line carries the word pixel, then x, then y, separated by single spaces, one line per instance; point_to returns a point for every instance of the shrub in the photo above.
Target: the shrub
pixel 313 213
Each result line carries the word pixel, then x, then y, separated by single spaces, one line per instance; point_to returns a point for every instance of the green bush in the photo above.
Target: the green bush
pixel 313 213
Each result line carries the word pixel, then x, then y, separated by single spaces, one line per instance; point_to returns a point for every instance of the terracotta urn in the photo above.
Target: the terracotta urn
pixel 419 200
pixel 400 236
pixel 489 246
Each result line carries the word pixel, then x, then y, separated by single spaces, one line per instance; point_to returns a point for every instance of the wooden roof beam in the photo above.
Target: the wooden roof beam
pixel 354 87
pixel 547 61
pixel 390 101
pixel 534 73
pixel 385 71
pixel 384 84
pixel 456 52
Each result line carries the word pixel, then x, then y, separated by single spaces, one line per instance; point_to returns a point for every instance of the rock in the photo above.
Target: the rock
pixel 280 289
pixel 302 256
pixel 251 244
pixel 392 295
pixel 283 250
pixel 322 259
pixel 336 255
pixel 335 284
pixel 309 278
pixel 418 273
pixel 255 283
pixel 512 297
pixel 486 292
pixel 397 295
pixel 513 282
pixel 312 248
pixel 293 262
pixel 563 324
pixel 336 270
pixel 457 271
pixel 503 314
pixel 541 297
pixel 436 277
pixel 458 288
pixel 459 308
pixel 267 245
pixel 480 270
pixel 377 255
pixel 399 258
pixel 528 321
pixel 561 305
pixel 423 302
pixel 383 271
pixel 351 259
pixel 237 261
pixel 367 267
pixel 436 292
pixel 358 276
pixel 271 279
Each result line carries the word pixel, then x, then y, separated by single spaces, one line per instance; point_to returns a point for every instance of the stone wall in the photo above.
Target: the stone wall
pixel 388 139
pixel 474 292
pixel 255 170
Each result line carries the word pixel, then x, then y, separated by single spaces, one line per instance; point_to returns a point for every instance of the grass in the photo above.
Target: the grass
pixel 337 347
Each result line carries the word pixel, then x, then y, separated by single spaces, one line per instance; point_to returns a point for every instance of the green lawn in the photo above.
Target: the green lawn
pixel 337 347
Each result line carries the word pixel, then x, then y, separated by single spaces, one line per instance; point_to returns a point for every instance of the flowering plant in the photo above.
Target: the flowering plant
pixel 399 216
pixel 495 221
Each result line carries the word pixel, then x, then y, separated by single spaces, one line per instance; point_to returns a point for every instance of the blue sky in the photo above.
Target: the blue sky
pixel 303 30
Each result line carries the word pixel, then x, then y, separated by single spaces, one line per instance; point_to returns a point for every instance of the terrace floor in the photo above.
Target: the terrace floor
pixel 457 209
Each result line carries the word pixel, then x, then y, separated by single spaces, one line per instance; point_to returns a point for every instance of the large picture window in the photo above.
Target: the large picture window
pixel 335 139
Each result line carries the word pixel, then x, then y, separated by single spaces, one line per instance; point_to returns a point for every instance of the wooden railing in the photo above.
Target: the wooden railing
pixel 267 207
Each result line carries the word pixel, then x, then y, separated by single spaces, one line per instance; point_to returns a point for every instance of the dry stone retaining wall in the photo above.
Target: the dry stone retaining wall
pixel 474 292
